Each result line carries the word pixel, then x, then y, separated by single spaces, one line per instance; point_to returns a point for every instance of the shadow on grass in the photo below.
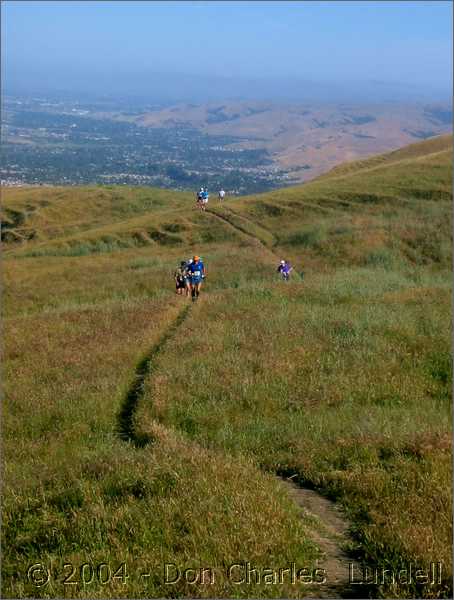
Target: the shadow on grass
pixel 126 417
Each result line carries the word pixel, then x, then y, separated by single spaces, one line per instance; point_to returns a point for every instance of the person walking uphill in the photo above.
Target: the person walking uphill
pixel 205 197
pixel 200 197
pixel 196 273
pixel 285 269
pixel 180 278
pixel 187 281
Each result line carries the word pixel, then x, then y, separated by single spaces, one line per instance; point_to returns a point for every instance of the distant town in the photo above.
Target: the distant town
pixel 50 141
pixel 243 147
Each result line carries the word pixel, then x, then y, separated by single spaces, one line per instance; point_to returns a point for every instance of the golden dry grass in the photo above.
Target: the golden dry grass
pixel 341 378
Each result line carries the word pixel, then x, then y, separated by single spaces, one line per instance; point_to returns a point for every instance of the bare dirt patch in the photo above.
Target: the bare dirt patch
pixel 331 534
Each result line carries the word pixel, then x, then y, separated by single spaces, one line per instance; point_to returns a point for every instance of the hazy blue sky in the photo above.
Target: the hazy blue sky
pixel 406 42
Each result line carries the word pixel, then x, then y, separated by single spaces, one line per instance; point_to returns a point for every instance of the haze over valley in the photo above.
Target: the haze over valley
pixel 243 146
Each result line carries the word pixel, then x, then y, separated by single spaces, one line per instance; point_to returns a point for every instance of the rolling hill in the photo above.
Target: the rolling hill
pixel 307 139
pixel 141 429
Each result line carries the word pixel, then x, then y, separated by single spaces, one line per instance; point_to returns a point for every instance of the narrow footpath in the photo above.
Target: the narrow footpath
pixel 330 531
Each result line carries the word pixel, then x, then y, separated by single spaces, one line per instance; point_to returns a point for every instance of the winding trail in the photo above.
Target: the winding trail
pixel 243 232
pixel 331 534
pixel 274 258
pixel 126 417
pixel 330 528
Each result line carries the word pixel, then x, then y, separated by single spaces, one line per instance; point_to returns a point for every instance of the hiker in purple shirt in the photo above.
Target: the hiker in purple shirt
pixel 285 269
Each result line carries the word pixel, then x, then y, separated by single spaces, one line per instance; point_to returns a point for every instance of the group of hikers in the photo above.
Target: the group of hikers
pixel 203 197
pixel 190 274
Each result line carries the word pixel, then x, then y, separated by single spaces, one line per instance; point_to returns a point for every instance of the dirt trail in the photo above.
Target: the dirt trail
pixel 330 527
pixel 244 233
pixel 274 258
pixel 330 534
pixel 125 421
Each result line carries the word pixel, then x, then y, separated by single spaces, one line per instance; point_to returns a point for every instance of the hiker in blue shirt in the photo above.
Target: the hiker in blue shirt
pixel 196 273
pixel 205 197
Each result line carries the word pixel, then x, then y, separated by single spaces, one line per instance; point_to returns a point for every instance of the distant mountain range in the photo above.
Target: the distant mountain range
pixel 169 87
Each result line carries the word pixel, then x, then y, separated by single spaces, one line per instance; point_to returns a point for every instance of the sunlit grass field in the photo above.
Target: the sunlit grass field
pixel 340 378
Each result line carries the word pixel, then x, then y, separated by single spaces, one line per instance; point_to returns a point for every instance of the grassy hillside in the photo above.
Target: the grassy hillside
pixel 422 150
pixel 390 209
pixel 141 429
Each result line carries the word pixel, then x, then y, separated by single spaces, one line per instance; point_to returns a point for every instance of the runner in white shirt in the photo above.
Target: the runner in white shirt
pixel 221 195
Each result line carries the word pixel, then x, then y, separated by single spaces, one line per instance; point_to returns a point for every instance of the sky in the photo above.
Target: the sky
pixel 64 43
